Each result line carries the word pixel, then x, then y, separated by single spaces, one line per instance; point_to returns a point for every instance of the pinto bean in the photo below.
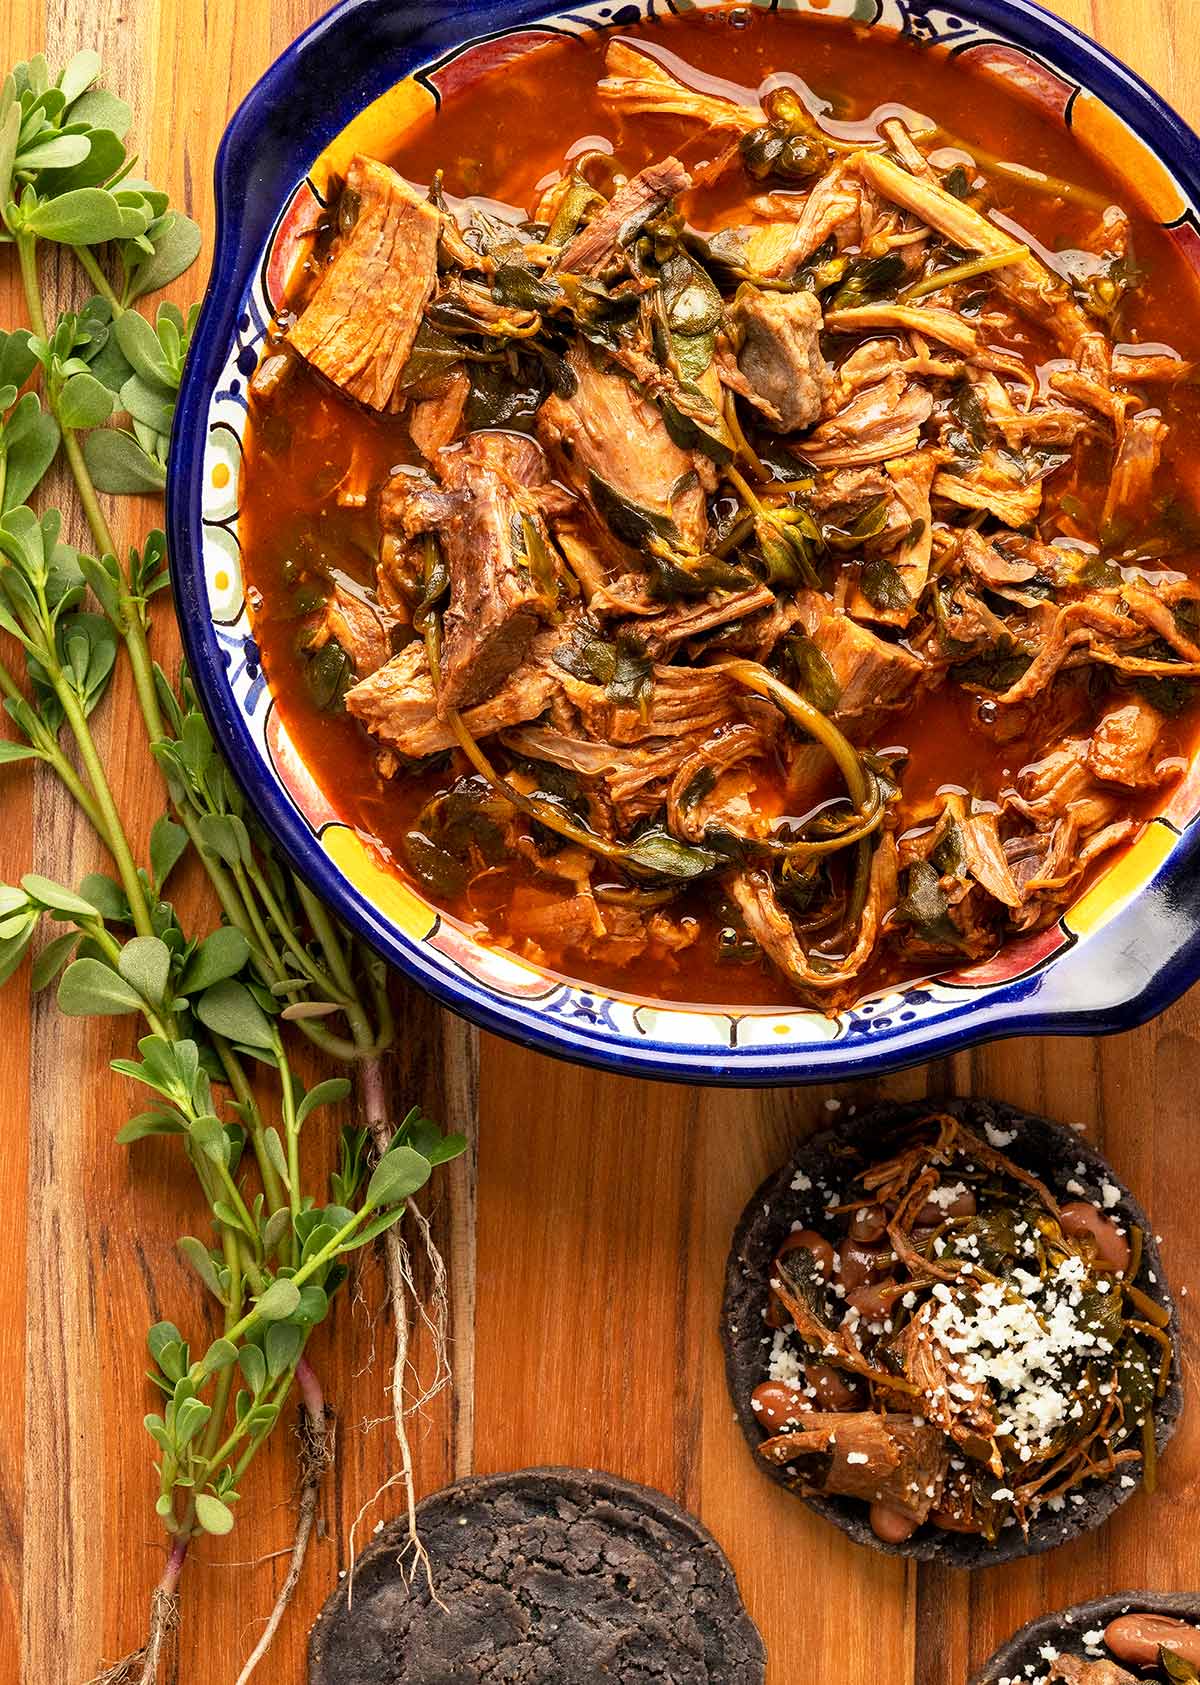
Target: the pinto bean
pixel 932 1215
pixel 873 1301
pixel 1136 1639
pixel 834 1391
pixel 1081 1219
pixel 811 1241
pixel 893 1526
pixel 778 1315
pixel 776 1405
pixel 868 1223
pixel 861 1263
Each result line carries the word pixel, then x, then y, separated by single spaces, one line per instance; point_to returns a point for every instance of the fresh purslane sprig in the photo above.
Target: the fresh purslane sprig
pixel 220 1009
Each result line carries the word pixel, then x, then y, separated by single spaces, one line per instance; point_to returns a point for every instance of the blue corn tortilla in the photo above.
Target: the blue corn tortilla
pixel 547 1577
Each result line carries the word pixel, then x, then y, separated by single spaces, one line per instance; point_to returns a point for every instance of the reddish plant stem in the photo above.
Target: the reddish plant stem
pixel 310 1390
pixel 316 1432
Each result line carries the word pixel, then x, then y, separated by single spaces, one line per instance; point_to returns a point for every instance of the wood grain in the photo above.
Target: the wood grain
pixel 586 1246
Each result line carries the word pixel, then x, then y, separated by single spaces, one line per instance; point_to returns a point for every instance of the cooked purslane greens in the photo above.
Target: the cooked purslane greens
pixel 953 1346
pixel 697 516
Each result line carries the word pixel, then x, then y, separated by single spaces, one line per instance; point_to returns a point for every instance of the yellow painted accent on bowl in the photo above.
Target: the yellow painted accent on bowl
pixel 221 580
pixel 1105 135
pixel 375 130
pixel 1131 873
pixel 385 890
pixel 220 475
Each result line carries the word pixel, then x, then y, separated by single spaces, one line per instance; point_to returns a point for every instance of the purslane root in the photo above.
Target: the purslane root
pixel 401 1295
pixel 141 1668
pixel 316 1431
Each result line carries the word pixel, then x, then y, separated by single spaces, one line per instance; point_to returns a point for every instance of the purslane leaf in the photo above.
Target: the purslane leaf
pixel 10 752
pixel 149 404
pixel 400 1172
pixel 154 1122
pixel 273 1147
pixel 89 988
pixel 168 845
pixel 230 1010
pixel 88 649
pixel 282 1345
pixel 56 897
pixel 51 960
pixel 10 135
pixel 253 1367
pixel 57 152
pixel 84 402
pixel 118 464
pixel 328 1093
pixel 145 964
pixel 214 1516
pixel 17 359
pixel 100 109
pixel 78 75
pixel 12 947
pixel 176 247
pixel 30 439
pixel 279 1301
pixel 103 161
pixel 199 1257
pixel 220 955
pixel 142 348
pixel 86 217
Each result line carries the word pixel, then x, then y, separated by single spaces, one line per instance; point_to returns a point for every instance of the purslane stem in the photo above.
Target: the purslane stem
pixel 98 278
pixel 114 831
pixel 97 522
pixel 138 649
pixel 233 1307
pixel 240 1084
pixel 27 258
pixel 290 1126
pixel 52 753
pixel 305 1273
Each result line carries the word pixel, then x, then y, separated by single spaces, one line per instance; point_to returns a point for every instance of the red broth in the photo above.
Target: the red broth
pixel 505 137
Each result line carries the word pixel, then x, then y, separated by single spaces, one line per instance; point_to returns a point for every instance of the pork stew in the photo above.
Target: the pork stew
pixel 732 540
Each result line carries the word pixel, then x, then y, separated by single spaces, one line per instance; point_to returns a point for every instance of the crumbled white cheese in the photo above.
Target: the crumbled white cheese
pixel 999 1138
pixel 945 1195
pixel 1020 1348
pixel 784 1363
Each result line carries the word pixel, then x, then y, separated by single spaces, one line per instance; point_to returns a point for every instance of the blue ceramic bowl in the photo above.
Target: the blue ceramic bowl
pixel 1123 953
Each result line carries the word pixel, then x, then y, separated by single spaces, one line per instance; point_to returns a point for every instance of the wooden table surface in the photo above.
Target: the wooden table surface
pixel 586 1236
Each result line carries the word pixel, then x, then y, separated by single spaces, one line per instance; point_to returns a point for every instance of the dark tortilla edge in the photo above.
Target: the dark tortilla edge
pixel 1065 1625
pixel 589 1484
pixel 1051 1151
